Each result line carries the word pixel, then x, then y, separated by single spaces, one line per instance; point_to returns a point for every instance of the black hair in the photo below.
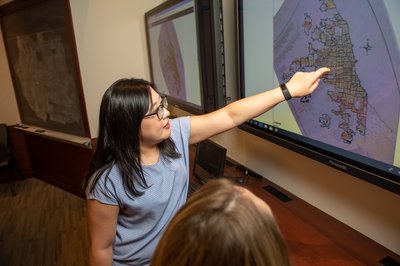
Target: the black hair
pixel 122 109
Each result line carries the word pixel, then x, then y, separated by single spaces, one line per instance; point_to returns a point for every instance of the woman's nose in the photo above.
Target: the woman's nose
pixel 166 113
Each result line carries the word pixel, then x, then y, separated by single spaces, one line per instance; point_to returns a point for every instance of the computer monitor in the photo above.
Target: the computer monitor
pixel 351 122
pixel 185 49
pixel 209 161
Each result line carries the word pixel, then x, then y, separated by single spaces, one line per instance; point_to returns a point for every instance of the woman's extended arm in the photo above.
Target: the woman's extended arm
pixel 234 114
pixel 102 224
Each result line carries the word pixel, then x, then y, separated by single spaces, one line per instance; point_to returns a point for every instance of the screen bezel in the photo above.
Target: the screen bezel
pixel 321 153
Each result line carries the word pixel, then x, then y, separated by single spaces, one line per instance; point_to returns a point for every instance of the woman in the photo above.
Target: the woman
pixel 222 224
pixel 139 172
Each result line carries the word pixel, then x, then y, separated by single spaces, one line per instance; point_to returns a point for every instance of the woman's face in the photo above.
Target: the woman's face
pixel 154 130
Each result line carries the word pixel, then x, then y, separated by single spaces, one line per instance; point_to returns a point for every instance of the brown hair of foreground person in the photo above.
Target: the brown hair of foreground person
pixel 222 224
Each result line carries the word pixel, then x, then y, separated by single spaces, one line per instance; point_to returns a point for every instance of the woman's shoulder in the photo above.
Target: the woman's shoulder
pixel 180 125
pixel 180 132
pixel 180 120
pixel 109 187
pixel 110 176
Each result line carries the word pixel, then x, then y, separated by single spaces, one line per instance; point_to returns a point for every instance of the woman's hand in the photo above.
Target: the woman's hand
pixel 304 83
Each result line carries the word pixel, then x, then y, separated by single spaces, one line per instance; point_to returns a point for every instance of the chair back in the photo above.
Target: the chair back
pixel 3 141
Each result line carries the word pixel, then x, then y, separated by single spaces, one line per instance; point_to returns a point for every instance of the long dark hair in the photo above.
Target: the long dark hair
pixel 122 109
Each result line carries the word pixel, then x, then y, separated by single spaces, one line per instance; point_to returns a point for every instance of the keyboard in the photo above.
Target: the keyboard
pixel 193 186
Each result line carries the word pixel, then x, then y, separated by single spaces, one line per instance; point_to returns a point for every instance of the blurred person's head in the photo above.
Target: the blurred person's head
pixel 222 224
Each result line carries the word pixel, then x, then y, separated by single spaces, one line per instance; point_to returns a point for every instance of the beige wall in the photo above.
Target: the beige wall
pixel 8 104
pixel 111 44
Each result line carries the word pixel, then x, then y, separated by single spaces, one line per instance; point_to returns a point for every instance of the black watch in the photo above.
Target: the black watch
pixel 285 91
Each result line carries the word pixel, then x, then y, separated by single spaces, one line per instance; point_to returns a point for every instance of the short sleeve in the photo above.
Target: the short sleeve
pixel 107 189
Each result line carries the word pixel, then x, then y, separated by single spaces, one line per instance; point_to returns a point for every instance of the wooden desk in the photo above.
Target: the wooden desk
pixel 312 236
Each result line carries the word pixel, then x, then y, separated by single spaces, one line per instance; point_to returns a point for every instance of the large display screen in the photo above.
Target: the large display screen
pixel 184 53
pixel 351 122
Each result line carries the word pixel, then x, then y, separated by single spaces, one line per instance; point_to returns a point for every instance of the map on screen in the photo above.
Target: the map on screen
pixel 174 61
pixel 357 105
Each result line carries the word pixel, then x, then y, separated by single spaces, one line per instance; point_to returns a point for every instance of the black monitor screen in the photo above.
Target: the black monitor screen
pixel 209 161
pixel 351 122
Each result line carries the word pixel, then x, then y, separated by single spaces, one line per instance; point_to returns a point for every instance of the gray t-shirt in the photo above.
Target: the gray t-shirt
pixel 142 220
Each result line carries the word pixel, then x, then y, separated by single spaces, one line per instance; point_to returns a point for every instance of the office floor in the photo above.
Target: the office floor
pixel 42 225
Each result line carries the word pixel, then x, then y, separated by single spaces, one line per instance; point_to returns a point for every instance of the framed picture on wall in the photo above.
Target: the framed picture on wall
pixel 42 56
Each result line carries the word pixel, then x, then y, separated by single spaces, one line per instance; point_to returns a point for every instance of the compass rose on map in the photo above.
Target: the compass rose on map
pixel 367 47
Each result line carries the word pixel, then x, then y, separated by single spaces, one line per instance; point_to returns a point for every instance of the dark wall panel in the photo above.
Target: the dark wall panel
pixel 61 164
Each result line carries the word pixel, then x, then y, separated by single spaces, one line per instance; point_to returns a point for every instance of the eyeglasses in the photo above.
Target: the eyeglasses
pixel 161 109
